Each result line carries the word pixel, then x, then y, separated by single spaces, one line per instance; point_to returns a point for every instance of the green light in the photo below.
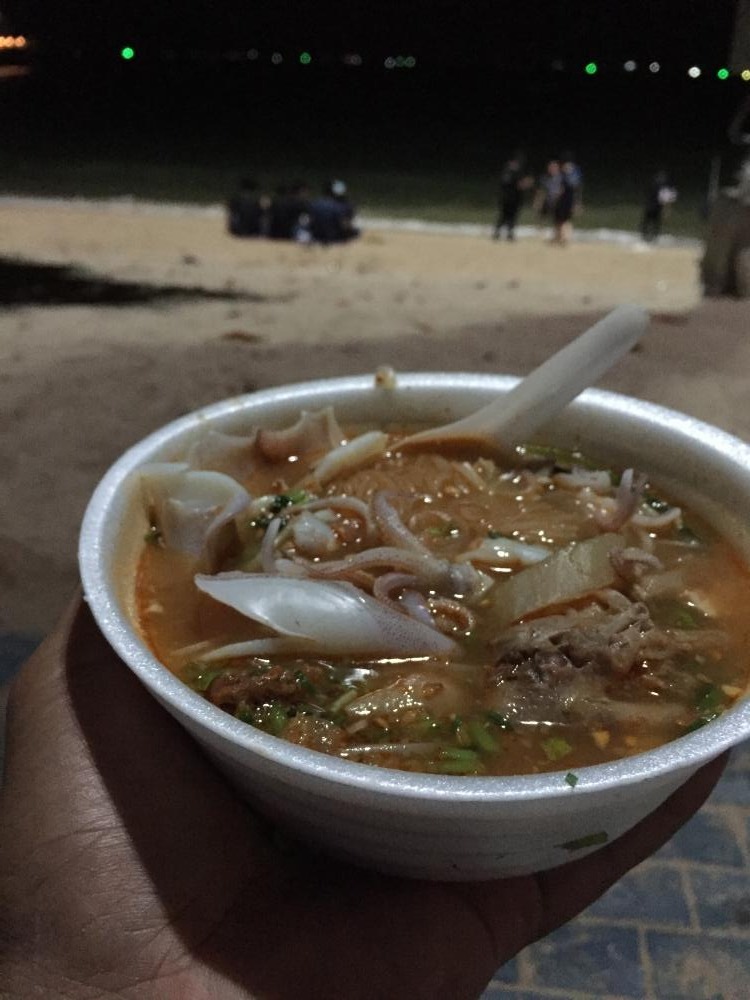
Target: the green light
pixel 723 73
pixel 305 58
pixel 127 53
pixel 591 68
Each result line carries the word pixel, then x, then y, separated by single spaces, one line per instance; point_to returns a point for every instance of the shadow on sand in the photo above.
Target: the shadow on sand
pixel 28 283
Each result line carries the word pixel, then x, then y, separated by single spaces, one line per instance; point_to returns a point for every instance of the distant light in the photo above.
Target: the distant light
pixel 630 66
pixel 20 42
pixel 352 59
pixel 723 73
pixel 127 53
pixel 745 74
pixel 389 62
pixel 591 68
pixel 252 54
pixel 400 62
pixel 694 72
pixel 410 62
pixel 305 58
pixel 277 59
pixel 654 67
pixel 558 66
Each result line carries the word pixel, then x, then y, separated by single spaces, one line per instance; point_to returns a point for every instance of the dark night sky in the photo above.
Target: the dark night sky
pixel 467 31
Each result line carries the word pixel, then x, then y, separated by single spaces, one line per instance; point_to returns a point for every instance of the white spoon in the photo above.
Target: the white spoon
pixel 513 418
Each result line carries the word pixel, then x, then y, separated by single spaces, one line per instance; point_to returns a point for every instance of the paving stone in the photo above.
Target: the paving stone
pixel 698 967
pixel 707 838
pixel 722 899
pixel 598 959
pixel 650 892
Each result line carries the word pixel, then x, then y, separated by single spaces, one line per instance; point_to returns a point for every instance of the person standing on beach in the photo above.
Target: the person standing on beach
pixel 548 190
pixel 568 201
pixel 658 195
pixel 513 184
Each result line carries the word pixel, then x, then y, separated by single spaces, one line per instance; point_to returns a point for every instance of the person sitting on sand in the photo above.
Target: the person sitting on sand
pixel 332 215
pixel 248 210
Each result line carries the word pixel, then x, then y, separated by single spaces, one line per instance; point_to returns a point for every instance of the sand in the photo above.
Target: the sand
pixel 79 383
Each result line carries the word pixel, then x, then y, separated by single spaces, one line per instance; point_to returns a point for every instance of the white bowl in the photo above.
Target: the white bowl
pixel 425 825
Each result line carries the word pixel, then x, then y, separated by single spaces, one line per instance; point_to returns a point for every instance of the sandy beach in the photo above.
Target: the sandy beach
pixel 80 382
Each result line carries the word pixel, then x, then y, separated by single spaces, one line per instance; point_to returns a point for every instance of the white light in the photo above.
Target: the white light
pixel 277 59
pixel 654 67
pixel 389 63
pixel 630 66
pixel 694 72
pixel 252 53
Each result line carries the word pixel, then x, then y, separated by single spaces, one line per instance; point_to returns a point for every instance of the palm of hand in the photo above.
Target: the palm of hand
pixel 129 868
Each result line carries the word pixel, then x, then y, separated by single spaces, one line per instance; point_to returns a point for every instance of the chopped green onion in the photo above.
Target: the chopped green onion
pixel 571 779
pixel 500 720
pixel 556 748
pixel 304 681
pixel 481 738
pixel 457 760
pixel 709 699
pixel 590 840
pixel 199 676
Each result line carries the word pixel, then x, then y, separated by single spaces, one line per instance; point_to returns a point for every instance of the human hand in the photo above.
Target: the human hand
pixel 130 869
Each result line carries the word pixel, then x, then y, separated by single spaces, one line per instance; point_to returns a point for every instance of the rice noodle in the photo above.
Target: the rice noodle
pixel 267 560
pixel 393 531
pixel 350 456
pixel 627 500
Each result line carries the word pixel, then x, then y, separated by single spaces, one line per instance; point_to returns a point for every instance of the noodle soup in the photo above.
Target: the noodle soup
pixel 440 612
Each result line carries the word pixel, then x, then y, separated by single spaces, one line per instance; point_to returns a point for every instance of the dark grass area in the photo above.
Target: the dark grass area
pixel 427 144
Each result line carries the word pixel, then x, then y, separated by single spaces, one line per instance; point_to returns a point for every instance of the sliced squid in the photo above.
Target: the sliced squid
pixel 194 511
pixel 310 615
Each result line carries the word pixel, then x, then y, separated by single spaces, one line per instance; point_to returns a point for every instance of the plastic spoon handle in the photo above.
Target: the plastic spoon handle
pixel 513 418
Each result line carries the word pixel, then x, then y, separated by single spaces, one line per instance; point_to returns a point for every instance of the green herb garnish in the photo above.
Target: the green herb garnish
pixel 500 720
pixel 571 779
pixel 199 676
pixel 590 840
pixel 556 748
pixel 481 738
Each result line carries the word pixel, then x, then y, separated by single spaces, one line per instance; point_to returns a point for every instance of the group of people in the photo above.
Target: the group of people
pixel 292 212
pixel 557 196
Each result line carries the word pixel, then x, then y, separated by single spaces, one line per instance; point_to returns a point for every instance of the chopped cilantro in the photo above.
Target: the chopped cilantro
pixel 709 699
pixel 590 840
pixel 571 779
pixel 556 748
